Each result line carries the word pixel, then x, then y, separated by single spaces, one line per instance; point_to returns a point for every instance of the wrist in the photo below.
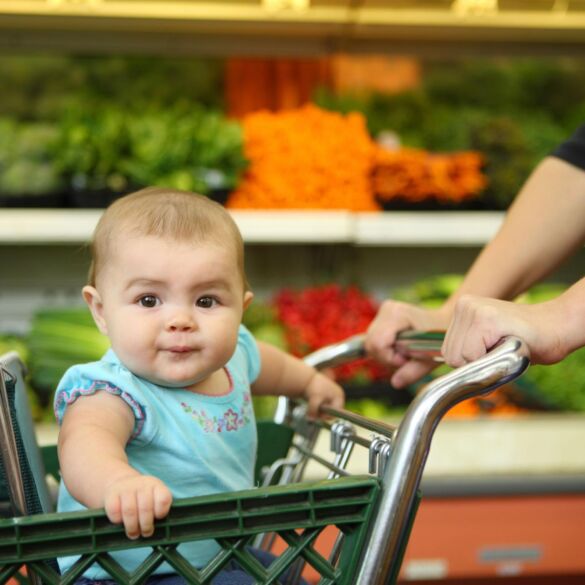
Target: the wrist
pixel 569 325
pixel 120 475
pixel 311 376
pixel 443 315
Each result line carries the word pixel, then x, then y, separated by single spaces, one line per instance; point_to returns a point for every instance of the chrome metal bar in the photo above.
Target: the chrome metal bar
pixel 412 444
pixel 416 344
pixel 423 345
pixel 375 426
pixel 337 353
pixel 357 439
pixel 314 457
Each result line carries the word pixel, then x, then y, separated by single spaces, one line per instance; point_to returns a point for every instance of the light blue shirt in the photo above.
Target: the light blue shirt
pixel 196 444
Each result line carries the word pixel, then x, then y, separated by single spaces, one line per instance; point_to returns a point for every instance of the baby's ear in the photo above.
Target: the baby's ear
pixel 248 297
pixel 94 302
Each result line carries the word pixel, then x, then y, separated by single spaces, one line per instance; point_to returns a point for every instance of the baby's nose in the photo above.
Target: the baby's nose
pixel 181 321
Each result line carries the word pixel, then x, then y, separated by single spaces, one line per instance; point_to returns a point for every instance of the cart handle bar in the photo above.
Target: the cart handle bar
pixel 424 345
pixel 411 445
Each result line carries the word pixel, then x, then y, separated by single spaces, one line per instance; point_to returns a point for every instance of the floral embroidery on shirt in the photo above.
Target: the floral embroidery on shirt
pixel 231 420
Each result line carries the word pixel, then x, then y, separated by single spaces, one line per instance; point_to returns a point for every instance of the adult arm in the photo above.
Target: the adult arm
pixel 545 225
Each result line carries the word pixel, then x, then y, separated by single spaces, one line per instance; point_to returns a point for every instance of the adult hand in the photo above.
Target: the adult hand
pixel 479 323
pixel 392 318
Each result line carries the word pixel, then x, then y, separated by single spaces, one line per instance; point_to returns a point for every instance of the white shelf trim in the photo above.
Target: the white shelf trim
pixel 457 228
pixel 65 226
pixel 332 227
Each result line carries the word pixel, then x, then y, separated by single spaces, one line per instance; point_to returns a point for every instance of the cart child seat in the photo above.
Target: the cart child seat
pixel 372 513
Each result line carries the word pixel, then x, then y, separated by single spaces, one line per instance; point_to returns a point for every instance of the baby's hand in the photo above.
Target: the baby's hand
pixel 321 390
pixel 135 502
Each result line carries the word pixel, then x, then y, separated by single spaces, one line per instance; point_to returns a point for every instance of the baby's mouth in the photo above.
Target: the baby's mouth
pixel 178 349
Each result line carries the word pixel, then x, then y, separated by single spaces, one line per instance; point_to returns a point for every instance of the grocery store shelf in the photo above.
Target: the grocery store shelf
pixel 56 226
pixel 292 26
pixel 46 226
pixel 333 227
pixel 459 228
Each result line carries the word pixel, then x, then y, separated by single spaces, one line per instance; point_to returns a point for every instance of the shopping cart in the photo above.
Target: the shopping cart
pixel 371 513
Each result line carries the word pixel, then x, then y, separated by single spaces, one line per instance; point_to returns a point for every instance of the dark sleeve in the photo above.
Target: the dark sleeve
pixel 573 149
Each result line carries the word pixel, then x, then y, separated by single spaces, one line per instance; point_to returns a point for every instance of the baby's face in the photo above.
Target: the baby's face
pixel 171 309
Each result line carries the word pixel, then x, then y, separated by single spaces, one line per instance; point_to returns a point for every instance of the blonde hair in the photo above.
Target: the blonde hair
pixel 165 213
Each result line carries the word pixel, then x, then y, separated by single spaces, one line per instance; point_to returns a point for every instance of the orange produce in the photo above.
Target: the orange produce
pixel 416 175
pixel 496 403
pixel 306 158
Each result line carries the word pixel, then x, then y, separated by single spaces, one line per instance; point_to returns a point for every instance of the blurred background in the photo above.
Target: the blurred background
pixel 367 150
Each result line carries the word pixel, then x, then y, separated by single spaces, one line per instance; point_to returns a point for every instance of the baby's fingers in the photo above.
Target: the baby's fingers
pixel 162 502
pixel 130 515
pixel 113 508
pixel 313 405
pixel 145 503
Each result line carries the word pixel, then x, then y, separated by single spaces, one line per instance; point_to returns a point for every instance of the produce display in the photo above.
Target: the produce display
pixel 27 167
pixel 414 176
pixel 513 111
pixel 323 315
pixel 467 130
pixel 58 339
pixel 306 158
pixel 189 148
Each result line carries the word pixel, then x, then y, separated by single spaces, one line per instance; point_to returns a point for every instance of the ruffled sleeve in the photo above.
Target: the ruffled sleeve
pixel 86 379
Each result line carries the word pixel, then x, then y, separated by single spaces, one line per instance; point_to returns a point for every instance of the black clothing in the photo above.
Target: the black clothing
pixel 573 149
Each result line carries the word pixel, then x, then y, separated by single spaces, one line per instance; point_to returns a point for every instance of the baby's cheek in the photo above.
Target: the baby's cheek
pixel 226 345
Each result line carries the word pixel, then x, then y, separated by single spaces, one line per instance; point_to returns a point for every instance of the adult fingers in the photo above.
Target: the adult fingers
pixel 382 331
pixel 472 331
pixel 410 372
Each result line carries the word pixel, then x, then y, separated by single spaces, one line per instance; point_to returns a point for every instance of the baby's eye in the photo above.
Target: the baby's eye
pixel 206 302
pixel 148 301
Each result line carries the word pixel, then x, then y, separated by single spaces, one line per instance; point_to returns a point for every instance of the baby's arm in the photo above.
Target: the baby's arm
pixel 284 374
pixel 95 469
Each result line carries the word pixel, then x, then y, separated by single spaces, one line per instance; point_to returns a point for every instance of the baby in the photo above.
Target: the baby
pixel 167 412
